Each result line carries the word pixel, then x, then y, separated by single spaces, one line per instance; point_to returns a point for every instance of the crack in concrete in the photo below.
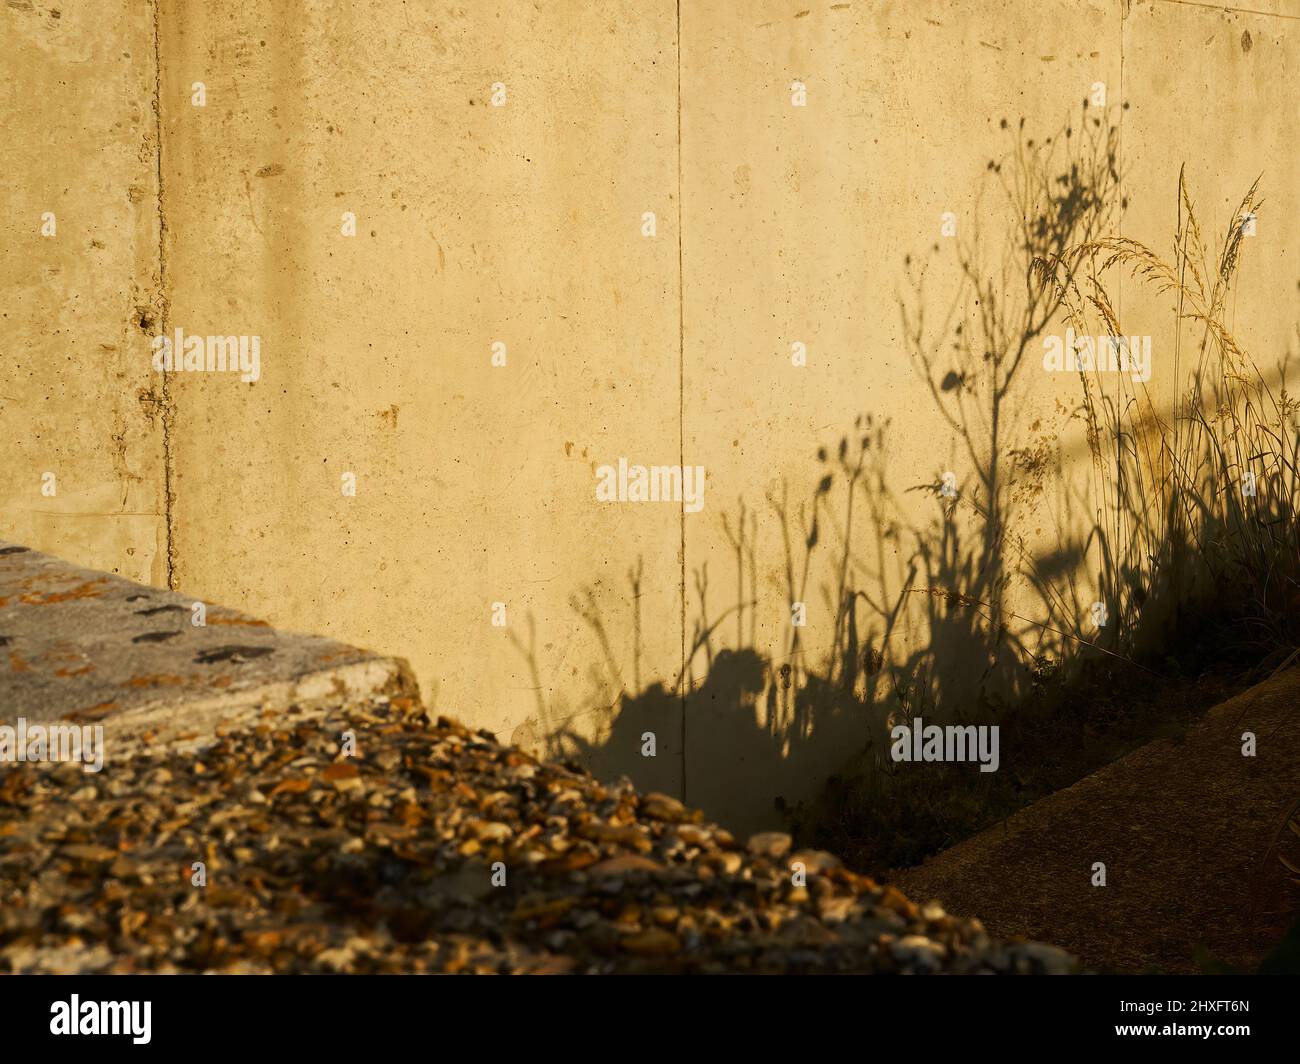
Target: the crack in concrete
pixel 681 380
pixel 164 312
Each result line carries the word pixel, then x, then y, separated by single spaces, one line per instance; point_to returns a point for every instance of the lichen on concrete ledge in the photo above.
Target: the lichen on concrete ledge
pixel 84 647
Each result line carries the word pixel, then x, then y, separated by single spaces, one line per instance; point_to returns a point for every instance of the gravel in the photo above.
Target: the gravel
pixel 432 848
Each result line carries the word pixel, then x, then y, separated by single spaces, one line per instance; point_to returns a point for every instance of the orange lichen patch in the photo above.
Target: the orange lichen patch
pixel 222 681
pixel 17 664
pixel 60 652
pixel 69 658
pixel 98 712
pixel 88 589
pixel 161 679
pixel 251 622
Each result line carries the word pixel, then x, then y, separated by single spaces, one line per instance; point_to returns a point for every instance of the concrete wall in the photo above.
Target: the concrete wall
pixel 78 400
pixel 524 224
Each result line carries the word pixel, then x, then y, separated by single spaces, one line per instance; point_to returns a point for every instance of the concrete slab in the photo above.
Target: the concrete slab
pixel 89 647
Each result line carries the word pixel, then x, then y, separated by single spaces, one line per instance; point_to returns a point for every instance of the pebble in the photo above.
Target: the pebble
pixel 774 844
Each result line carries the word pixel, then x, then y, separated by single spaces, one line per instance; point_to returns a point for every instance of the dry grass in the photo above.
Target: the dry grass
pixel 1182 527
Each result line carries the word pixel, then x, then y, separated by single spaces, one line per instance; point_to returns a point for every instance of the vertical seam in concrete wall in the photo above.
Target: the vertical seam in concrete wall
pixel 681 386
pixel 164 308
pixel 1124 8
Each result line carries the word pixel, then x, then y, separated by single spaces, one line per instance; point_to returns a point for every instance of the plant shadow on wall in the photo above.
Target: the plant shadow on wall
pixel 943 607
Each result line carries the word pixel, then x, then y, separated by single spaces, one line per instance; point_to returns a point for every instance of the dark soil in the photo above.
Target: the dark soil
pixel 1191 836
pixel 895 818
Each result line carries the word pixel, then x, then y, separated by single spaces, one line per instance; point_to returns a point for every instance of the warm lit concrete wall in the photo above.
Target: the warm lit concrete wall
pixel 77 398
pixel 523 224
pixel 797 225
pixel 475 224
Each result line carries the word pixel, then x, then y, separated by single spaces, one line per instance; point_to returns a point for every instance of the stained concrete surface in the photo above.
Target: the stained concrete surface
pixel 78 402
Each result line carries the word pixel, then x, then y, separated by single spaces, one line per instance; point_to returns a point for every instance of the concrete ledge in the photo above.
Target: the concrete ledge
pixel 87 647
